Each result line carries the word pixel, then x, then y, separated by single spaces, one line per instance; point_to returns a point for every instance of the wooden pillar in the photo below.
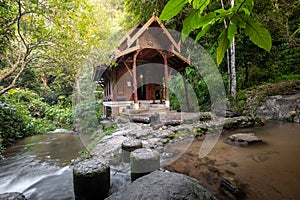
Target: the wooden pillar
pixel 135 96
pixel 167 102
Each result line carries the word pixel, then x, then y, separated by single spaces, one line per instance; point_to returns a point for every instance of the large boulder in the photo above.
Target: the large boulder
pixel 163 186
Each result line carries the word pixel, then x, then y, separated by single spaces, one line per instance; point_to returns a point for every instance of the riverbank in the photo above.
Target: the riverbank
pixel 274 101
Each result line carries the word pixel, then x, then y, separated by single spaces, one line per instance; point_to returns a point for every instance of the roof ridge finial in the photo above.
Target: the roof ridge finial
pixel 155 12
pixel 155 9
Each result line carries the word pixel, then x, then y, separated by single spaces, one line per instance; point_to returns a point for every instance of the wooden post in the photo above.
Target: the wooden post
pixel 167 102
pixel 135 96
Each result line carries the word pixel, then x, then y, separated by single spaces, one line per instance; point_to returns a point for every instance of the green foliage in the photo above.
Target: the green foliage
pixel 258 35
pixel 59 116
pixel 241 95
pixel 16 122
pixel 223 44
pixel 239 16
pixel 172 8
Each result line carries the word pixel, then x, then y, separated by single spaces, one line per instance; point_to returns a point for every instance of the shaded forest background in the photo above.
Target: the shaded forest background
pixel 48 49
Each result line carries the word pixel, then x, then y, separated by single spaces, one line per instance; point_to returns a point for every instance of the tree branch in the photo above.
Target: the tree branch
pixel 12 84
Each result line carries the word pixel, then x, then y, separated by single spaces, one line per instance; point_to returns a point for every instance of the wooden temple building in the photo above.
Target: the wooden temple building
pixel 138 74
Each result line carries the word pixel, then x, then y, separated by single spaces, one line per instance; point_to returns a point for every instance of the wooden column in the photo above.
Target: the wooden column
pixel 167 102
pixel 135 96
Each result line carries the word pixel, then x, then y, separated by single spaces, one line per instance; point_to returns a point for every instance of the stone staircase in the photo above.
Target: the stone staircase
pixel 146 109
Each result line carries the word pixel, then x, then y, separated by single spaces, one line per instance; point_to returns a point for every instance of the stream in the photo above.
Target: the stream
pixel 38 166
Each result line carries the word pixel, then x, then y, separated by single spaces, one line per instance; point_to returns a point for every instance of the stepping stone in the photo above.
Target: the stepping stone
pixel 143 161
pixel 91 179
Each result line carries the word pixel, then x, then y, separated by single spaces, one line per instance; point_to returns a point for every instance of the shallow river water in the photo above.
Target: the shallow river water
pixel 262 171
pixel 38 166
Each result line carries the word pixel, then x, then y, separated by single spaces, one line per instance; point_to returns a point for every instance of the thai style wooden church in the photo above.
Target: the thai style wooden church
pixel 138 75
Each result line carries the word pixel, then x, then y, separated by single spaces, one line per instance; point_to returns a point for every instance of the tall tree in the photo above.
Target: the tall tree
pixel 51 38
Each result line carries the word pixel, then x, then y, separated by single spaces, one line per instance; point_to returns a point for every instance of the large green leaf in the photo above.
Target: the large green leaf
pixel 296 32
pixel 231 32
pixel 202 32
pixel 245 5
pixel 258 35
pixel 190 22
pixel 200 5
pixel 223 44
pixel 172 8
pixel 194 21
pixel 239 20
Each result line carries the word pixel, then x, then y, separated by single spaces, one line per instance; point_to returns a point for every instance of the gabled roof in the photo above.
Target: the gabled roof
pixel 129 42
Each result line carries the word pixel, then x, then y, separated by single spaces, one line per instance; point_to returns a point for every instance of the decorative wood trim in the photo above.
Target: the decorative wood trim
pixel 127 51
pixel 129 70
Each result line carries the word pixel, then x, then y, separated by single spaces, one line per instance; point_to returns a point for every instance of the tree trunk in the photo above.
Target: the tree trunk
pixel 228 73
pixel 232 64
pixel 228 60
pixel 233 71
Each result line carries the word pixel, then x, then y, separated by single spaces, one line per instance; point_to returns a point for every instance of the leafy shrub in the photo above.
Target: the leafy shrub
pixel 59 116
pixel 29 99
pixel 16 122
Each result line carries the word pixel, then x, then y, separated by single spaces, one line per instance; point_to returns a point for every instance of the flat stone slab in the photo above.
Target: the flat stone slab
pixel 163 186
pixel 242 139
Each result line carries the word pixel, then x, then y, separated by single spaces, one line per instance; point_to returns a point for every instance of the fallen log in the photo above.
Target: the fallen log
pixel 140 119
pixel 172 122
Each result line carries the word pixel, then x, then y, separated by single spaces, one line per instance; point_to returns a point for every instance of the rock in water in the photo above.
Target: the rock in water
pixel 242 139
pixel 143 161
pixel 12 196
pixel 91 179
pixel 163 186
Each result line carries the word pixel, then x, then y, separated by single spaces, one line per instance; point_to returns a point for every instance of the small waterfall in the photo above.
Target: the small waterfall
pixel 36 167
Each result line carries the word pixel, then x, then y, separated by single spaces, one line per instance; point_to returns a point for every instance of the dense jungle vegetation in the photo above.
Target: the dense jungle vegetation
pixel 48 49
